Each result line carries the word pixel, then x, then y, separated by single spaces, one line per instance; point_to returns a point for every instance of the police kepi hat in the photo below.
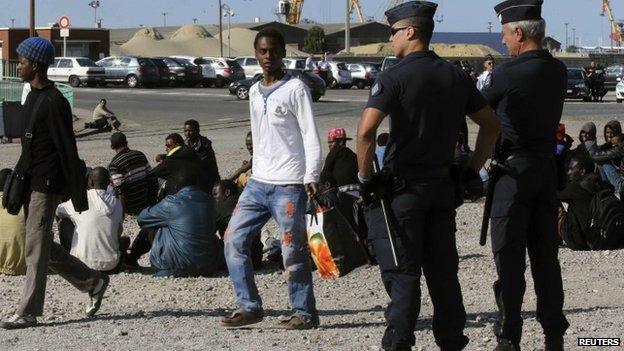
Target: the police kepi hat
pixel 411 9
pixel 519 10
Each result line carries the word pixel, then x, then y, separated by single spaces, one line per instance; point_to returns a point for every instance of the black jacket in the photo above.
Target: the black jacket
pixel 578 196
pixel 342 164
pixel 55 167
pixel 184 158
pixel 209 168
pixel 615 154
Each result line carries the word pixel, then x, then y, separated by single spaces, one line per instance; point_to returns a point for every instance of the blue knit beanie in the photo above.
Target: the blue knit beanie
pixel 37 49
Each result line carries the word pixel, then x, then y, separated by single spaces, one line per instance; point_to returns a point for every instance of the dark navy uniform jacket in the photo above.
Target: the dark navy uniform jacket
pixel 427 99
pixel 527 94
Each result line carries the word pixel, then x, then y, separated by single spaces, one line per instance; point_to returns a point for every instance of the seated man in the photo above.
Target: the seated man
pixel 225 193
pixel 12 237
pixel 243 173
pixel 582 185
pixel 341 162
pixel 129 171
pixel 203 147
pixel 103 118
pixel 178 156
pixel 184 241
pixel 94 234
pixel 587 139
pixel 609 162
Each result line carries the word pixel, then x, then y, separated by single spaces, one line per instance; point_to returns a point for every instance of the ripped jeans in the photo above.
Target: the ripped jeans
pixel 256 205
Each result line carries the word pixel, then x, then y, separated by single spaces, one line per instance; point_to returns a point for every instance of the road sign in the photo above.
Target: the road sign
pixel 64 22
pixel 64 32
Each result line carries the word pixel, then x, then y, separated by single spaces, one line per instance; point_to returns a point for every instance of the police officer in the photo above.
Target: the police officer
pixel 527 94
pixel 427 99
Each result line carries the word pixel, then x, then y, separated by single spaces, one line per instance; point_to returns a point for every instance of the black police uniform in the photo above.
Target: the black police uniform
pixel 527 94
pixel 427 99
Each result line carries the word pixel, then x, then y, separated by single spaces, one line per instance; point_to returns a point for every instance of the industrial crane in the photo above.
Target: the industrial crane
pixel 617 33
pixel 291 10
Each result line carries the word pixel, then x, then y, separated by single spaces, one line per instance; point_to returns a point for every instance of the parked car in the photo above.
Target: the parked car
pixel 619 92
pixel 186 72
pixel 133 71
pixel 389 62
pixel 227 70
pixel 363 75
pixel 294 63
pixel 76 71
pixel 339 76
pixel 612 73
pixel 578 87
pixel 163 72
pixel 250 65
pixel 209 74
pixel 314 82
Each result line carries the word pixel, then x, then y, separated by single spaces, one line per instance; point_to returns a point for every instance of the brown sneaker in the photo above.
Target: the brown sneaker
pixel 241 318
pixel 297 322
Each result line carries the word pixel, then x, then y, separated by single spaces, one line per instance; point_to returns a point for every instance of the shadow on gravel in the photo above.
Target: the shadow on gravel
pixel 470 256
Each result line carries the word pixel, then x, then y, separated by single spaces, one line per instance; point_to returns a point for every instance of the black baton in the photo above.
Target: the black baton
pixel 384 209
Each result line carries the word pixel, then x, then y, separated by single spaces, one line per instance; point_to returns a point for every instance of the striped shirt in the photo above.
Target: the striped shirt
pixel 129 176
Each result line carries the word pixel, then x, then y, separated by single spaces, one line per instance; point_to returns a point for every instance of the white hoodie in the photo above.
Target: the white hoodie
pixel 97 230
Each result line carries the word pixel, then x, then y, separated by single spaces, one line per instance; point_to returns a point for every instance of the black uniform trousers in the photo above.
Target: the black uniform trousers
pixel 423 220
pixel 524 218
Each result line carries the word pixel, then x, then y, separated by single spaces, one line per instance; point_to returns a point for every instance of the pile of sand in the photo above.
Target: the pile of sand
pixel 241 40
pixel 189 40
pixel 191 31
pixel 444 50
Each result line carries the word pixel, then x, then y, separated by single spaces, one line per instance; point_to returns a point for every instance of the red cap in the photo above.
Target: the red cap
pixel 338 133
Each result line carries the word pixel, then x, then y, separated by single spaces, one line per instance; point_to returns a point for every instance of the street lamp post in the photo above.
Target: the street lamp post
pixel 12 22
pixel 95 4
pixel 220 28
pixel 32 18
pixel 348 27
pixel 574 37
pixel 165 18
pixel 228 13
pixel 566 25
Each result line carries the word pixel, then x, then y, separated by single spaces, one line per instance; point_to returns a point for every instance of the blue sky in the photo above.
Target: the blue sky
pixel 458 15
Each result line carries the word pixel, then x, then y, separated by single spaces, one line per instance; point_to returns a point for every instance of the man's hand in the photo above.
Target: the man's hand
pixel 160 157
pixel 312 189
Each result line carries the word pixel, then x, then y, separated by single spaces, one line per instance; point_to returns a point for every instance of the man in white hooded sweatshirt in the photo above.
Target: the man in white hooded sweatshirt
pixel 96 232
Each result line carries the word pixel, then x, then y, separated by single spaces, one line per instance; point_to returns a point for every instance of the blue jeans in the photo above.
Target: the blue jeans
pixel 612 174
pixel 256 205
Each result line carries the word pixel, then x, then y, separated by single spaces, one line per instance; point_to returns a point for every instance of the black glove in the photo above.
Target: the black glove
pixel 379 186
pixel 472 184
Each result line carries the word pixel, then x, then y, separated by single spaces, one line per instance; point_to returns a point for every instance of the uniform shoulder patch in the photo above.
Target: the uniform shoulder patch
pixel 376 89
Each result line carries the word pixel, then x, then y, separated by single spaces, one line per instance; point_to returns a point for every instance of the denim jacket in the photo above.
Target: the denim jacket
pixel 185 240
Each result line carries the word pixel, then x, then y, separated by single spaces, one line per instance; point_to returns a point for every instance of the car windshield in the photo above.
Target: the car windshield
pixel 342 66
pixel 85 62
pixel 614 70
pixel 576 74
pixel 184 62
pixel 233 64
pixel 145 63
pixel 201 61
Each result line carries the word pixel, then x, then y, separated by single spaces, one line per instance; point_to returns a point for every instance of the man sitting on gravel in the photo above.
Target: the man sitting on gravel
pixel 203 147
pixel 178 156
pixel 184 241
pixel 287 155
pixel 103 118
pixel 243 173
pixel 583 184
pixel 94 234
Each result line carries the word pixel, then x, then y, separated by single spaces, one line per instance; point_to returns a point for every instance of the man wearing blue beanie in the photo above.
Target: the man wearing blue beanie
pixel 50 163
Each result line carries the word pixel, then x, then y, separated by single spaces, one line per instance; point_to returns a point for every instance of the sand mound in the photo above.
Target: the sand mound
pixel 184 44
pixel 241 40
pixel 189 32
pixel 147 33
pixel 444 50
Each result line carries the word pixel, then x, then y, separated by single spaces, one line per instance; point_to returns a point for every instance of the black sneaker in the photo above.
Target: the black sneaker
pixel 19 322
pixel 507 345
pixel 96 296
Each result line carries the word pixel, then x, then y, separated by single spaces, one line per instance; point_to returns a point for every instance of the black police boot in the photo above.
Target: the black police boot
pixel 554 343
pixel 507 345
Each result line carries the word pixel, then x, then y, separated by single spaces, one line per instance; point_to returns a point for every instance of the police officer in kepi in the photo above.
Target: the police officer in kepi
pixel 427 99
pixel 528 94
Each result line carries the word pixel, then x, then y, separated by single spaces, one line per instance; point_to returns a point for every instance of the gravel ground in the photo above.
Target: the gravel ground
pixel 145 313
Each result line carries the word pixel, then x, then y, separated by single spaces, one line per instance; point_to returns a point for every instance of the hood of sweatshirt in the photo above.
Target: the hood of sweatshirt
pixel 102 201
pixel 589 128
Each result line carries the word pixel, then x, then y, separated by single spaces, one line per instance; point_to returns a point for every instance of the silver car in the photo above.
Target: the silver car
pixel 132 71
